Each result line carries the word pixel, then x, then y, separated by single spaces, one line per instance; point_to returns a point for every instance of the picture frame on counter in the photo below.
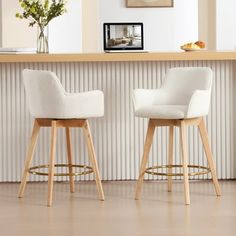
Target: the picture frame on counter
pixel 149 3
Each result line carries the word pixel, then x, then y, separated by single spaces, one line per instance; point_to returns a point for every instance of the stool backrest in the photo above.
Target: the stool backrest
pixel 44 92
pixel 183 81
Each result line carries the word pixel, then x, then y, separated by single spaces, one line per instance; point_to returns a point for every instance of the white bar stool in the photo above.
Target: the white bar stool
pixel 182 100
pixel 53 107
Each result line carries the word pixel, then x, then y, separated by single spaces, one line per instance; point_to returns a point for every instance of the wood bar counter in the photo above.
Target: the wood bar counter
pixel 106 57
pixel 118 136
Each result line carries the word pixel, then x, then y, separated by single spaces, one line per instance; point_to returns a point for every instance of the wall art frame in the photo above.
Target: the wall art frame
pixel 149 3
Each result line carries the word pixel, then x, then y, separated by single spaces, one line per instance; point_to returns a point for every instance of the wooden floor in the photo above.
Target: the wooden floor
pixel 82 214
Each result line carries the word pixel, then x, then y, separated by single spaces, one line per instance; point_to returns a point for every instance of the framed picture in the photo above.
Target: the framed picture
pixel 149 3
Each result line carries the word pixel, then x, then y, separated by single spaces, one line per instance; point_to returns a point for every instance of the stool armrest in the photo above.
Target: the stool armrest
pixel 199 103
pixel 80 101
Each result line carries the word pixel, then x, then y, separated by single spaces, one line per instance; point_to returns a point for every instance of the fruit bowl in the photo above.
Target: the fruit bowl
pixel 191 49
pixel 197 46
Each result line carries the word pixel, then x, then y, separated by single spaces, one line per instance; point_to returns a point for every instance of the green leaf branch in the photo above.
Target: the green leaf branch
pixel 41 12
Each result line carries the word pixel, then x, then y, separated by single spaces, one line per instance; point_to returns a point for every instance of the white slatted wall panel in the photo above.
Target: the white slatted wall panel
pixel 119 136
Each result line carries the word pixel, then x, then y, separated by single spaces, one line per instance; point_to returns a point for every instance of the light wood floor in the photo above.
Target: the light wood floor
pixel 82 214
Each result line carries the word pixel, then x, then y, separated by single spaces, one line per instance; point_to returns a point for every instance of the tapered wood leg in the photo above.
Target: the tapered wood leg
pixel 52 161
pixel 29 158
pixel 92 157
pixel 185 161
pixel 70 161
pixel 205 141
pixel 170 156
pixel 147 146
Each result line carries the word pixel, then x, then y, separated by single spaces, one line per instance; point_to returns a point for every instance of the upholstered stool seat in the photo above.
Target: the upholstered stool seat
pixel 162 111
pixel 182 100
pixel 52 107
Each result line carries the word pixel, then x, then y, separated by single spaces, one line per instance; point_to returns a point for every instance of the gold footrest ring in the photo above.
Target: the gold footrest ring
pixel 202 170
pixel 86 170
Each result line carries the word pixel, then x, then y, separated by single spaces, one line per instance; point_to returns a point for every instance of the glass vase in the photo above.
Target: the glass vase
pixel 42 40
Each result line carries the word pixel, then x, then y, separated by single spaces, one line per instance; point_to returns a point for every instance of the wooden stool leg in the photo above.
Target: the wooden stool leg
pixel 93 160
pixel 147 146
pixel 29 158
pixel 170 156
pixel 185 161
pixel 205 141
pixel 52 161
pixel 69 154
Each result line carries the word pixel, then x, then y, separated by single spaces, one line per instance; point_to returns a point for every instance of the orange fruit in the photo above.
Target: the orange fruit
pixel 201 44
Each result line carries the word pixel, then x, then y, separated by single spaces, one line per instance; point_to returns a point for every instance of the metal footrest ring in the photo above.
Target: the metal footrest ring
pixel 202 170
pixel 86 170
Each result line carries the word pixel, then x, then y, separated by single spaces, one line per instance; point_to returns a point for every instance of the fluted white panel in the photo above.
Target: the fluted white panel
pixel 118 136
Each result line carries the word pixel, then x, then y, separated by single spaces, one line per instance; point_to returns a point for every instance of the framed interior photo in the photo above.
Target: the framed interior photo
pixel 149 3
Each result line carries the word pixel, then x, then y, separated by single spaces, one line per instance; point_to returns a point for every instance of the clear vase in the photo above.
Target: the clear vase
pixel 42 40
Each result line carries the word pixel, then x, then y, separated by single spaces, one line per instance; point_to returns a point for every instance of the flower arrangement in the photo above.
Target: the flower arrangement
pixel 41 12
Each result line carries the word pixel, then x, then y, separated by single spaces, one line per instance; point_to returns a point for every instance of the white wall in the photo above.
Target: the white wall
pixel 65 32
pixel 15 32
pixel 165 29
pixel 226 25
pixel 0 23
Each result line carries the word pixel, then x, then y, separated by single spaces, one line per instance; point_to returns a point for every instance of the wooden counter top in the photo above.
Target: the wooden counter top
pixel 100 57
